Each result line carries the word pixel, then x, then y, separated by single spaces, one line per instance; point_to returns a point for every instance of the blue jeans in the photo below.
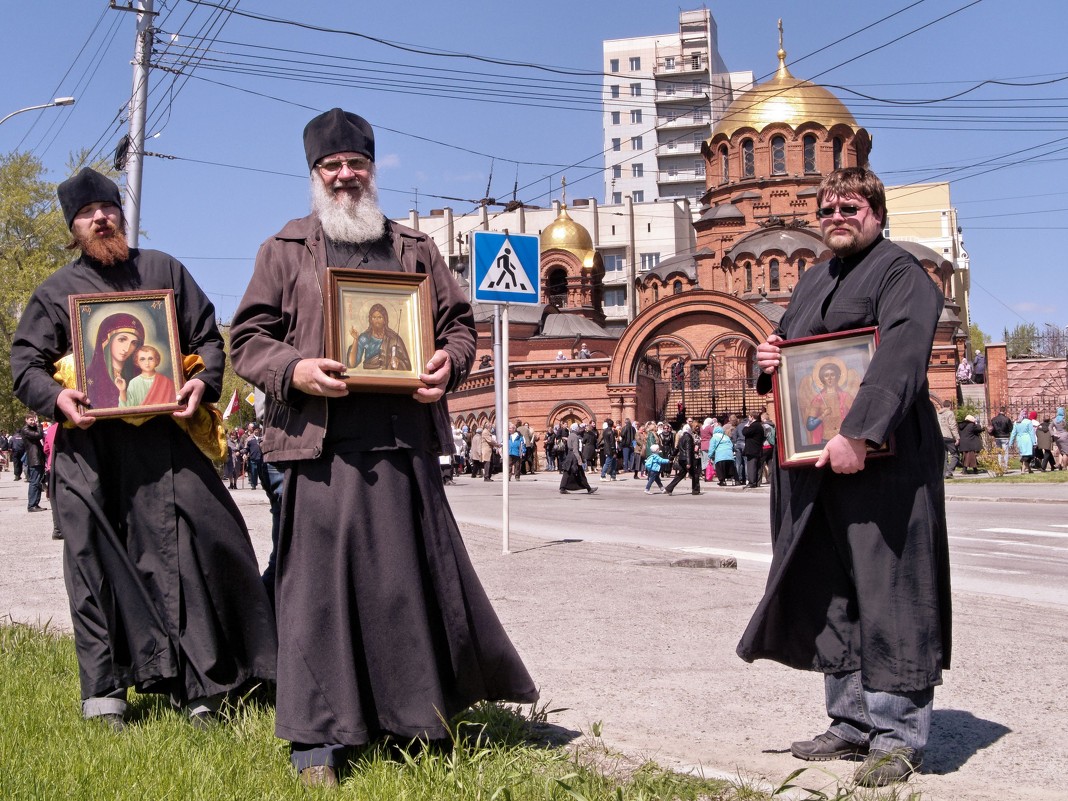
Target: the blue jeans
pixel 33 493
pixel 609 467
pixel 883 720
pixel 628 459
pixel 739 464
pixel 654 476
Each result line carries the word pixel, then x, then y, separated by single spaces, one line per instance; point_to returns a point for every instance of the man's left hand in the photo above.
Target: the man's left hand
pixel 436 378
pixel 189 396
pixel 845 455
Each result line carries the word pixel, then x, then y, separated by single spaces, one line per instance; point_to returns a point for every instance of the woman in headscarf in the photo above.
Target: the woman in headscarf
pixel 1023 436
pixel 117 339
pixel 971 442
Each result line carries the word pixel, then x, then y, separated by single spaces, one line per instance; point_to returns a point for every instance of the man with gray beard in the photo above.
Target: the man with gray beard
pixel 384 628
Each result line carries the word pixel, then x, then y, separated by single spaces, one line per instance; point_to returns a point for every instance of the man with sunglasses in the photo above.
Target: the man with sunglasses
pixel 384 628
pixel 859 583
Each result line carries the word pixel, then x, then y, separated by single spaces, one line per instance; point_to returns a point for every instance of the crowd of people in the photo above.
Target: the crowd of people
pixel 1041 445
pixel 735 449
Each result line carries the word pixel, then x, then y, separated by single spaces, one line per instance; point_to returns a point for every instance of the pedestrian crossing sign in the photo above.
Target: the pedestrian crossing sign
pixel 506 268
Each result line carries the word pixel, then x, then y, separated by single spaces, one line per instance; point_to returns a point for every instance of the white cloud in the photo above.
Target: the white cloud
pixel 1026 307
pixel 387 161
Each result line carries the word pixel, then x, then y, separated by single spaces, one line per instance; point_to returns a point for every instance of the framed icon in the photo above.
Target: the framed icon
pixel 126 352
pixel 815 386
pixel 378 324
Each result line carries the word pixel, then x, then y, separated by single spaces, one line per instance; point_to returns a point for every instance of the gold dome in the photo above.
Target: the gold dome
pixel 784 99
pixel 563 233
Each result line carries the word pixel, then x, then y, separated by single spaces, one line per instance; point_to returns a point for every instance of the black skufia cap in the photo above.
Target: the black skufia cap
pixel 88 186
pixel 338 131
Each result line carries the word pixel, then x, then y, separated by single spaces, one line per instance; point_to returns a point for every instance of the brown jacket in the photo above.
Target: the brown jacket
pixel 280 321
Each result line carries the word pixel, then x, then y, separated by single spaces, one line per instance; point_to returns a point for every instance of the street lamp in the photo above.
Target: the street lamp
pixel 59 101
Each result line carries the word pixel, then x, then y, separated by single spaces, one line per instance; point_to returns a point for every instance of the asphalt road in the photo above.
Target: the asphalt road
pixel 1005 538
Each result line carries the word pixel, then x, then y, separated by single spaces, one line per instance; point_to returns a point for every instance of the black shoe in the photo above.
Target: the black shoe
pixel 695 492
pixel 563 492
pixel 887 767
pixel 826 746
pixel 36 509
pixel 112 720
pixel 592 490
pixel 57 534
pixel 319 776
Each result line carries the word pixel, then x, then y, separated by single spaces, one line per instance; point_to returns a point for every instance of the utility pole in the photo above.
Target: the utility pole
pixel 138 106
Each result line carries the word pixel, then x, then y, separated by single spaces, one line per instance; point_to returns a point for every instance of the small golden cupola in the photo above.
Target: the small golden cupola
pixel 563 233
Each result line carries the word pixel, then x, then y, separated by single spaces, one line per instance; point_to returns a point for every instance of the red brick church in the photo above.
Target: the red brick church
pixel 700 315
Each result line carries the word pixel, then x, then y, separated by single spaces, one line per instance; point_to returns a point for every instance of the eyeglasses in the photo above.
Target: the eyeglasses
pixel 333 167
pixel 825 212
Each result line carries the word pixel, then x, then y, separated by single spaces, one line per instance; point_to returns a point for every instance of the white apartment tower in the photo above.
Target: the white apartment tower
pixel 662 97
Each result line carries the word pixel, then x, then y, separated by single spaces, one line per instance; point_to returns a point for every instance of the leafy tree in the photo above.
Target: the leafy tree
pixel 1021 341
pixel 33 235
pixel 245 412
pixel 977 338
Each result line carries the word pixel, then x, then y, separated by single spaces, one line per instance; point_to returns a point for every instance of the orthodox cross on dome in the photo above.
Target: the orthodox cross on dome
pixel 563 190
pixel 782 52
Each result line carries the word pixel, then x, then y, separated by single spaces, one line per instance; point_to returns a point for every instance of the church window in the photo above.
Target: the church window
pixel 801 264
pixel 837 152
pixel 748 168
pixel 748 277
pixel 724 164
pixel 676 288
pixel 810 153
pixel 656 293
pixel 778 155
pixel 773 275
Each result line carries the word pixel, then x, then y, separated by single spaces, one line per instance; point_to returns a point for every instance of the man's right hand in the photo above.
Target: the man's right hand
pixel 768 357
pixel 71 403
pixel 312 377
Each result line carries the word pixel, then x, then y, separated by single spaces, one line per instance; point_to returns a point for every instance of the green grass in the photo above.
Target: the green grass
pixel 47 751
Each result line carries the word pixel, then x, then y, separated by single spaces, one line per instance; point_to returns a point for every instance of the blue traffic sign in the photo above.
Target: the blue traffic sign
pixel 506 268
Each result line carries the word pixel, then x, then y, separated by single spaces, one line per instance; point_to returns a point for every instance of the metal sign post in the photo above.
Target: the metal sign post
pixel 506 270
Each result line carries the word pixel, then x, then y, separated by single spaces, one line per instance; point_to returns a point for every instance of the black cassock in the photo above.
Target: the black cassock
pixel 160 572
pixel 859 578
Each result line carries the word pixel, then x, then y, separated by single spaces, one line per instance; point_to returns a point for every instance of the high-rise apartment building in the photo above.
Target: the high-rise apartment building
pixel 662 96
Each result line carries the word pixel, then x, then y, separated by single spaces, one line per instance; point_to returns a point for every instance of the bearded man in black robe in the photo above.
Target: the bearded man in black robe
pixel 160 573
pixel 384 626
pixel 859 582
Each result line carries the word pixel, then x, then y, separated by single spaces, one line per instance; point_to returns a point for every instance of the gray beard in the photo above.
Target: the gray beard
pixel 345 220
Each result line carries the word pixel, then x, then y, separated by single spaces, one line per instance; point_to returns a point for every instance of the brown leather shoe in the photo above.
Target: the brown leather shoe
pixel 319 776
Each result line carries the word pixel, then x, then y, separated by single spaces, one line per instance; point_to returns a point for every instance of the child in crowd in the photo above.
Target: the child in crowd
pixel 652 467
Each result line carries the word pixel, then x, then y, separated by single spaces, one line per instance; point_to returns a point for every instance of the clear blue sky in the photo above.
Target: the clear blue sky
pixel 234 117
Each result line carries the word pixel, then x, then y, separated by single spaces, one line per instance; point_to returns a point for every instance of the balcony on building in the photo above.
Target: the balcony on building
pixel 682 121
pixel 679 62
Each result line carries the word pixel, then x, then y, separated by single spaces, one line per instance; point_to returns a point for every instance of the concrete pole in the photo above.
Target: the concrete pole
pixel 138 105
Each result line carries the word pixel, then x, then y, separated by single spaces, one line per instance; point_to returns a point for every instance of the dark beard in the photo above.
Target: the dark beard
pixel 108 251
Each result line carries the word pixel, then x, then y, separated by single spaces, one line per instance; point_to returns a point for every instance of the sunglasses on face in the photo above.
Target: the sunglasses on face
pixel 334 166
pixel 826 212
